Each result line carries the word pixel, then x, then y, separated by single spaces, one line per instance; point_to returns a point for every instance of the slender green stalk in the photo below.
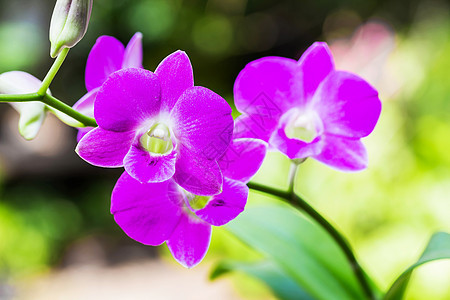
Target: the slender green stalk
pixel 20 97
pixel 291 177
pixel 61 106
pixel 302 205
pixel 52 72
pixel 52 102
pixel 42 96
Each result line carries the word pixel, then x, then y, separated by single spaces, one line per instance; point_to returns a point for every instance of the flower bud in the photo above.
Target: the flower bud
pixel 69 23
pixel 32 114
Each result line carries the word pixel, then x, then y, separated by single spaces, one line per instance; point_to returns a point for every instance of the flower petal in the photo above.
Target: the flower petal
pixel 144 211
pixel 32 114
pixel 176 76
pixel 225 206
pixel 104 59
pixel 314 65
pixel 254 126
pixel 343 154
pixel 82 132
pixel 86 104
pixel 242 159
pixel 18 82
pixel 267 87
pixel 293 148
pixel 132 57
pixel 146 167
pixel 347 105
pixel 196 174
pixel 203 122
pixel 105 148
pixel 189 241
pixel 128 98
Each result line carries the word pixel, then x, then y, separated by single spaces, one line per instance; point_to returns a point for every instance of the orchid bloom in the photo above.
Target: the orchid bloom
pixel 160 126
pixel 307 108
pixel 106 57
pixel 155 213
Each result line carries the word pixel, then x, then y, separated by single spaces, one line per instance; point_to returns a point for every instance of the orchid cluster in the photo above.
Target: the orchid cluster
pixel 186 161
pixel 173 140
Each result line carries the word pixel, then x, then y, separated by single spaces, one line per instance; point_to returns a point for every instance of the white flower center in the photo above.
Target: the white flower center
pixel 304 125
pixel 157 139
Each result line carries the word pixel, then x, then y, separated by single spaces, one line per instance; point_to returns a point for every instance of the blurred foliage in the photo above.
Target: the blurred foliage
pixel 388 211
pixel 300 248
pixel 38 220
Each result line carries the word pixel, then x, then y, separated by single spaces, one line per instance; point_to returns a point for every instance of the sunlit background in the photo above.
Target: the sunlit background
pixel 57 238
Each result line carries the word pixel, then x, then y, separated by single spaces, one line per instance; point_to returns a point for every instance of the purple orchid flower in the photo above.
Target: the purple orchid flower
pixel 159 125
pixel 307 108
pixel 155 213
pixel 106 57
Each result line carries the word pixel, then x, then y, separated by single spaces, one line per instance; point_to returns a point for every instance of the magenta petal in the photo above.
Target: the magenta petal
pixel 197 175
pixel 86 104
pixel 293 148
pixel 267 87
pixel 175 75
pixel 254 126
pixel 146 167
pixel 242 159
pixel 343 154
pixel 127 99
pixel 144 211
pixel 82 132
pixel 132 57
pixel 347 105
pixel 203 122
pixel 314 65
pixel 104 59
pixel 189 241
pixel 105 148
pixel 226 206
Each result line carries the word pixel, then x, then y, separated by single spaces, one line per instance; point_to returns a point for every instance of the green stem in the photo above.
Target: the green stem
pixel 61 106
pixel 302 205
pixel 52 102
pixel 42 96
pixel 52 72
pixel 20 97
pixel 291 177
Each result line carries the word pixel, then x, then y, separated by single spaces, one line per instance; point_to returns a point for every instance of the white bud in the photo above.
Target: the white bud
pixel 69 23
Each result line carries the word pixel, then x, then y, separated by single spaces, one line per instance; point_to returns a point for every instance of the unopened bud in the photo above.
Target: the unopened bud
pixel 69 23
pixel 32 114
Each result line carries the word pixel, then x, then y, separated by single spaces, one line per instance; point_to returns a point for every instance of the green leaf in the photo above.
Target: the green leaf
pixel 438 248
pixel 284 287
pixel 302 249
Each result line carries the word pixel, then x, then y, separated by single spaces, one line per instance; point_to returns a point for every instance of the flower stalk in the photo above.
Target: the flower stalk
pixel 300 204
pixel 52 72
pixel 52 102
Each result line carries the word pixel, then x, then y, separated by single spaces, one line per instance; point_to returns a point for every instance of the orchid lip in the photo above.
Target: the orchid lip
pixel 302 124
pixel 157 139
